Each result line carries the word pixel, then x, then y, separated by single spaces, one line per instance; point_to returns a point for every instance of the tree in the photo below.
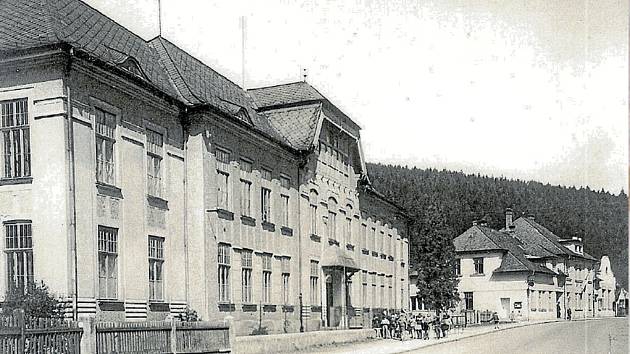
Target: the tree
pixel 433 254
pixel 37 302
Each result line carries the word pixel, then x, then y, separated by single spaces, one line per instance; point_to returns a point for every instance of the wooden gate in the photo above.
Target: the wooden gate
pixel 20 335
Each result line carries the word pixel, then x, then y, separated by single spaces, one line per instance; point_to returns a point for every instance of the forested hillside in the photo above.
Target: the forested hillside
pixel 455 199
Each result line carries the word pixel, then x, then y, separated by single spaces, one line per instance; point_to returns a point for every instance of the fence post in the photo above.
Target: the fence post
pixel 19 316
pixel 88 338
pixel 173 336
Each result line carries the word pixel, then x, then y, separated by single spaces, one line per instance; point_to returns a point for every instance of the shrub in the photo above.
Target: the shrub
pixel 37 302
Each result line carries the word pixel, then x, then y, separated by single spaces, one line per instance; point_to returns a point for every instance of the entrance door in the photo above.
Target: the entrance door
pixel 329 304
pixel 505 307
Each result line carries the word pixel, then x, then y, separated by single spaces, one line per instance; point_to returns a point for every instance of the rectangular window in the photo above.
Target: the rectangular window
pixel 155 143
pixel 285 210
pixel 332 225
pixel 224 272
pixel 374 298
pixel 286 273
pixel 285 182
pixel 15 139
pixel 19 250
pixel 107 262
pixel 458 267
pixel 373 239
pixel 315 292
pixel 478 261
pixel 364 288
pixel 246 197
pixel 468 301
pixel 246 276
pixel 246 165
pixel 266 174
pixel 313 219
pixel 266 278
pixel 223 159
pixel 156 268
pixel 223 183
pixel 105 141
pixel 349 230
pixel 265 204
pixel 382 294
pixel 364 242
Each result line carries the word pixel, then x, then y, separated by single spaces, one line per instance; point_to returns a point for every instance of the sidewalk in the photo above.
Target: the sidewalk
pixel 390 346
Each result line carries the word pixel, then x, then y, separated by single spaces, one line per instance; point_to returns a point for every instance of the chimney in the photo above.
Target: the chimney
pixel 530 217
pixel 482 222
pixel 474 223
pixel 508 218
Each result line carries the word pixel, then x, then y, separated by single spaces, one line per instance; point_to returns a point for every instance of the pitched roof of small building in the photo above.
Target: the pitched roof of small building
pixel 541 240
pixel 32 24
pixel 484 239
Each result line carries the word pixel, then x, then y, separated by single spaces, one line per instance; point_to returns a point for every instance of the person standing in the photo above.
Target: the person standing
pixel 385 327
pixel 495 319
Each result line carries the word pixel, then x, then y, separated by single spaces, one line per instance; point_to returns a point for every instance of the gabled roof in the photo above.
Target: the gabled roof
pixel 529 232
pixel 285 94
pixel 29 24
pixel 484 239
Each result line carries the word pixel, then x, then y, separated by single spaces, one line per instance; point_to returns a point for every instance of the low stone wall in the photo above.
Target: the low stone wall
pixel 292 342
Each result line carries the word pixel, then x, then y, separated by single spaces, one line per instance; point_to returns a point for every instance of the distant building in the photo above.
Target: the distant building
pixel 527 270
pixel 137 181
pixel 606 287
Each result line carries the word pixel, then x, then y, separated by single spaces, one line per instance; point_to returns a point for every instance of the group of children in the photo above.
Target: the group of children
pixel 406 326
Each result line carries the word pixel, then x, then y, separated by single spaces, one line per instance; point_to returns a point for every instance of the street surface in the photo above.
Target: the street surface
pixel 560 337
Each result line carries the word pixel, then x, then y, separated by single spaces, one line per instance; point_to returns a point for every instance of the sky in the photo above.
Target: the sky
pixel 527 89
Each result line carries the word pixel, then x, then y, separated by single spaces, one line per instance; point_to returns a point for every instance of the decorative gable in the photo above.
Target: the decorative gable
pixel 132 66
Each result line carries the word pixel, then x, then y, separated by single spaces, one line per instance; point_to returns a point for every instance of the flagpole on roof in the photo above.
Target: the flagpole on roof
pixel 160 17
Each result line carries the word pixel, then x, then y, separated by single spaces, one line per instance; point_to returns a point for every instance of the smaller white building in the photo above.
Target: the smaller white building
pixel 496 275
pixel 605 285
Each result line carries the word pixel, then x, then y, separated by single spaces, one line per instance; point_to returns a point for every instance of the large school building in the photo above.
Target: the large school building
pixel 136 181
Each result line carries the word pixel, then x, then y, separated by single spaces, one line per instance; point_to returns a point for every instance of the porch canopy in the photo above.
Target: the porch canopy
pixel 335 257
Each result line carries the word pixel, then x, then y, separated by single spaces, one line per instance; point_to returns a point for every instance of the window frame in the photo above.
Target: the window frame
pixel 155 153
pixel 267 273
pixel 110 255
pixel 478 264
pixel 315 287
pixel 247 257
pixel 113 139
pixel 469 300
pixel 223 275
pixel 18 249
pixel 156 259
pixel 12 160
pixel 265 204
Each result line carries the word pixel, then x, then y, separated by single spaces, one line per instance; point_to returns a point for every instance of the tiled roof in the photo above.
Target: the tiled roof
pixel 197 83
pixel 285 94
pixel 26 24
pixel 529 231
pixel 474 239
pixel 297 125
pixel 482 239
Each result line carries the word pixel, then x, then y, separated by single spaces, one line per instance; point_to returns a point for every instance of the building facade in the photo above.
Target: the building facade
pixel 137 181
pixel 524 271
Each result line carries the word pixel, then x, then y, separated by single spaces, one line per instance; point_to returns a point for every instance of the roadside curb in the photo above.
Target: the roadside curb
pixel 472 335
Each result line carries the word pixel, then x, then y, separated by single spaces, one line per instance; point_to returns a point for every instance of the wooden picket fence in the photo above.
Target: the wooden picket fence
pixel 21 335
pixel 161 337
